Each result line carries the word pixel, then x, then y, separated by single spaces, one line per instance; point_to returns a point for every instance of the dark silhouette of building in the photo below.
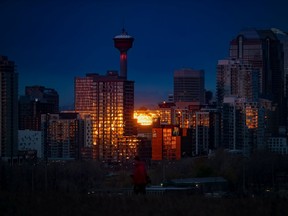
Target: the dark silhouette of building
pixel 36 101
pixel 189 86
pixel 264 51
pixel 8 109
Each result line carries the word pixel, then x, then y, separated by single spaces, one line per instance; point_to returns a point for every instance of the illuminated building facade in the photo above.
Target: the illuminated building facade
pixel 189 86
pixel 197 125
pixel 166 113
pixel 8 109
pixel 146 119
pixel 62 136
pixel 109 100
pixel 36 101
pixel 166 143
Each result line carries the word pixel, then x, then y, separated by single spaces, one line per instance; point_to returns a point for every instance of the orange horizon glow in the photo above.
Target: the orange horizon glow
pixel 144 117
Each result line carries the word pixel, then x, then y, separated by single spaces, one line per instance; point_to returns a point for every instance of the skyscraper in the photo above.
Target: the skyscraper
pixel 8 109
pixel 189 86
pixel 264 51
pixel 109 100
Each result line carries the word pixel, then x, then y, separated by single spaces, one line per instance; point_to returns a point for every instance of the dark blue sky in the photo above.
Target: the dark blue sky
pixel 53 41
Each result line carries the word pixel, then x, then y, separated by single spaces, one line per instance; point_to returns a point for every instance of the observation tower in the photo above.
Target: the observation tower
pixel 123 43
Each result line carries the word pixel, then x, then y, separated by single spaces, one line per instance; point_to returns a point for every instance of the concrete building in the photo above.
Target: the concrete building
pixel 62 136
pixel 8 109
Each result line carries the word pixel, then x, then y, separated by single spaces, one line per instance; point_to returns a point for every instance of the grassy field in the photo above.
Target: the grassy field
pixel 81 204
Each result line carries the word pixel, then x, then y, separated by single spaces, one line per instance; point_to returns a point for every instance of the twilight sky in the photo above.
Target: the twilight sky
pixel 53 41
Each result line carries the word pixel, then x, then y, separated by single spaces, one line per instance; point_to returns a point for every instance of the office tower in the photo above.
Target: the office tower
pixel 236 77
pixel 264 51
pixel 283 38
pixel 36 101
pixel 123 43
pixel 109 100
pixel 8 109
pixel 189 86
pixel 63 136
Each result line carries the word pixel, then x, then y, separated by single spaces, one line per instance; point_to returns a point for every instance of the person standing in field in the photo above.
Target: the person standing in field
pixel 139 176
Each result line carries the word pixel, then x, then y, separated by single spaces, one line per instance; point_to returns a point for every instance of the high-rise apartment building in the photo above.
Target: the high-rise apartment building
pixel 63 136
pixel 238 78
pixel 189 86
pixel 8 109
pixel 36 101
pixel 109 100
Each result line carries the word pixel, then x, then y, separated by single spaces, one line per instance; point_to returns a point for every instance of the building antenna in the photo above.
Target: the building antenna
pixel 123 24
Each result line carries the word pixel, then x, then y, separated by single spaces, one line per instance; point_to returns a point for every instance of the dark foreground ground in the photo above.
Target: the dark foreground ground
pixel 42 204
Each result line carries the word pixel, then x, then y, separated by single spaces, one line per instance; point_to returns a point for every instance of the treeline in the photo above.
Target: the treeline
pixel 73 176
pixel 263 171
pixel 61 188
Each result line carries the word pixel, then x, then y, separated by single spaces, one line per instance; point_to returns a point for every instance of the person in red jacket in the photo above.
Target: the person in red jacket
pixel 139 176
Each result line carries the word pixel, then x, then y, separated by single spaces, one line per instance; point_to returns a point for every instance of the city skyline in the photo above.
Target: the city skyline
pixel 52 43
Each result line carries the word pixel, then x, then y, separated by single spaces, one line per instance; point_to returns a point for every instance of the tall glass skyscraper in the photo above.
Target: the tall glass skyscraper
pixel 8 109
pixel 109 100
pixel 262 52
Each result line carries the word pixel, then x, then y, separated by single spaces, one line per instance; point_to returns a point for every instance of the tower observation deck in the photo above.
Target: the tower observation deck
pixel 123 43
